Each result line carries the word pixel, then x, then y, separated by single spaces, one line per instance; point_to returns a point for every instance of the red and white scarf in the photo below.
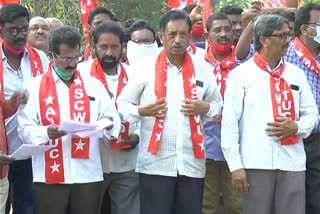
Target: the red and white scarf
pixel 97 72
pixel 221 69
pixel 189 85
pixel 192 49
pixel 281 95
pixel 35 61
pixel 50 114
pixel 305 56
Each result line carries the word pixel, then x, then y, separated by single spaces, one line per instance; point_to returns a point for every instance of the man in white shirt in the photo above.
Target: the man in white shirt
pixel 169 93
pixel 268 110
pixel 70 173
pixel 118 156
pixel 19 63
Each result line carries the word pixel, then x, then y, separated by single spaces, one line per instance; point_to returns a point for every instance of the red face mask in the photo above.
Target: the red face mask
pixel 10 48
pixel 197 30
pixel 221 48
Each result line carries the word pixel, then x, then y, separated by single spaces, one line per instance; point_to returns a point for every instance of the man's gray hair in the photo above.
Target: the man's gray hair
pixel 265 25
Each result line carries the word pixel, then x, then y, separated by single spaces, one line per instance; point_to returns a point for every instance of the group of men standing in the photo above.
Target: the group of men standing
pixel 186 121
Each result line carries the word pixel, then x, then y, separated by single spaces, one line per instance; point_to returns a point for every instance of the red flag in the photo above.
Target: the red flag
pixel 86 7
pixel 182 3
pixel 273 3
pixel 299 2
pixel 3 2
pixel 207 11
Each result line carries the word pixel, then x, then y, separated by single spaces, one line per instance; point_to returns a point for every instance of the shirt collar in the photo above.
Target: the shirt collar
pixel 116 76
pixel 25 53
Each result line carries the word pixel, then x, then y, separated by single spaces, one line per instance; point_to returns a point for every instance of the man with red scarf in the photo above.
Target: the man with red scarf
pixel 268 110
pixel 68 176
pixel 304 52
pixel 170 92
pixel 118 156
pixel 220 54
pixel 19 63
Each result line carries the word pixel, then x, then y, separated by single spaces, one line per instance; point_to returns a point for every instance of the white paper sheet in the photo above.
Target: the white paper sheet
pixel 27 150
pixel 86 129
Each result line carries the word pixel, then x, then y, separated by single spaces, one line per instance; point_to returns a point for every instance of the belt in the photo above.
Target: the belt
pixel 311 138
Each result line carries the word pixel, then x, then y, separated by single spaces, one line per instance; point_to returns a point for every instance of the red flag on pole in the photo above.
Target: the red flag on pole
pixel 207 11
pixel 86 7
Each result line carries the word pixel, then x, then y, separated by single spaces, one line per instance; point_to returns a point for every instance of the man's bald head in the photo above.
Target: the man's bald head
pixel 55 23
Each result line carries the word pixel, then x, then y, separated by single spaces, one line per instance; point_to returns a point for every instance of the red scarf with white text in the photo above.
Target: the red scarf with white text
pixel 305 56
pixel 97 72
pixel 189 85
pixel 50 114
pixel 281 95
pixel 35 62
pixel 221 69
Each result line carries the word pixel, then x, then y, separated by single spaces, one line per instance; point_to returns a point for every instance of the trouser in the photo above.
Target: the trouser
pixel 71 198
pixel 4 189
pixel 274 192
pixel 21 194
pixel 217 175
pixel 123 189
pixel 312 149
pixel 170 195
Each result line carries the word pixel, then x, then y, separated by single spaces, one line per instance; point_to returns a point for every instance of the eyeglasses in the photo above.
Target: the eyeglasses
pixel 146 42
pixel 14 31
pixel 69 59
pixel 313 23
pixel 282 36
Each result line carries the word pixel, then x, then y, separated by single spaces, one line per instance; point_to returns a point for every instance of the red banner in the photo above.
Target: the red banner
pixel 86 7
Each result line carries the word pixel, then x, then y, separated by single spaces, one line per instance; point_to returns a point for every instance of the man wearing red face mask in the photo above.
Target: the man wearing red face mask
pixel 220 55
pixel 197 42
pixel 19 63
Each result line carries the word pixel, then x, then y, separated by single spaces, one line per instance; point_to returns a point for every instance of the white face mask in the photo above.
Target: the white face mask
pixel 136 52
pixel 317 37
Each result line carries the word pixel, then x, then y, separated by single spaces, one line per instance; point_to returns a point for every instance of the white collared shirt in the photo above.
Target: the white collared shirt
pixel 175 155
pixel 115 160
pixel 16 81
pixel 32 131
pixel 248 108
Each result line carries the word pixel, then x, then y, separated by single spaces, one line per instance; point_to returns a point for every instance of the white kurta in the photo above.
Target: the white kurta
pixel 32 131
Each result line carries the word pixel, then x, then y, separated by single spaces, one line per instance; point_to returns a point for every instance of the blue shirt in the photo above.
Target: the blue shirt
pixel 312 77
pixel 213 135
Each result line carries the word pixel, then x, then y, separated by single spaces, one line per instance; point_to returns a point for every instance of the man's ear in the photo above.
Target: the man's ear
pixel 160 35
pixel 206 35
pixel 50 54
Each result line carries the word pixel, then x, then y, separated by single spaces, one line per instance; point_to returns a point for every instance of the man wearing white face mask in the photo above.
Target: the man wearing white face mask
pixel 142 41
pixel 304 52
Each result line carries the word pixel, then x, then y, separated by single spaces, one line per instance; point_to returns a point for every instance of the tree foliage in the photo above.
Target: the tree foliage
pixel 69 11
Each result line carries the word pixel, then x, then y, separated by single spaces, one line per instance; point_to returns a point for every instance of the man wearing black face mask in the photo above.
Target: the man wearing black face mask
pixel 220 55
pixel 118 155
